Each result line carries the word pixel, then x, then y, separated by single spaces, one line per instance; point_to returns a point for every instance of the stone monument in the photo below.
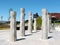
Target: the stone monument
pixel 22 24
pixel 30 23
pixel 44 24
pixel 13 26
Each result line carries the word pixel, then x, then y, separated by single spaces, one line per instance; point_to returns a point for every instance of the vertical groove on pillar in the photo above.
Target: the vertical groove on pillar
pixel 30 23
pixel 13 26
pixel 22 24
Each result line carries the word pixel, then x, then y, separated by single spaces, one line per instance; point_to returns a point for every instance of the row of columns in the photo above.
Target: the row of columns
pixel 22 24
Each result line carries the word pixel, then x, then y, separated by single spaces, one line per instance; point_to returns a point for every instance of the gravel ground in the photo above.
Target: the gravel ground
pixel 34 39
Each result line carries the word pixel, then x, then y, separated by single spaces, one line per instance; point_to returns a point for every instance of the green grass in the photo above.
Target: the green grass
pixel 4 28
pixel 39 22
pixel 57 23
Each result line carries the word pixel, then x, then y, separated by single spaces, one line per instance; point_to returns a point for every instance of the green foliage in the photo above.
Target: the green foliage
pixel 39 22
pixel 26 21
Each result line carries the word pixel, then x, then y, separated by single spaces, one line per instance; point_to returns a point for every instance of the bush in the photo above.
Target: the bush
pixel 39 22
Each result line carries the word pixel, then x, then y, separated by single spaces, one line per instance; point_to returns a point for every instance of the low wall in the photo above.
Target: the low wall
pixel 57 27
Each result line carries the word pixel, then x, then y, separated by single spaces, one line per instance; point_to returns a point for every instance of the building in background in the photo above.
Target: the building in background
pixel 55 17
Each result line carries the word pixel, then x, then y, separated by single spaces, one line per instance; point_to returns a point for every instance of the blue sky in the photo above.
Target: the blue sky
pixel 29 5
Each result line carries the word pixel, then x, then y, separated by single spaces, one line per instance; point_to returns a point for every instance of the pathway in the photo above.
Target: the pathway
pixel 34 39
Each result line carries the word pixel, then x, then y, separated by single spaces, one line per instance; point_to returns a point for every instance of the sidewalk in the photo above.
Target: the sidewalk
pixel 34 39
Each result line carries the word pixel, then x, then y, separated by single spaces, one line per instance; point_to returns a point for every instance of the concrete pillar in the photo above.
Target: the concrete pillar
pixel 13 26
pixel 48 23
pixel 30 23
pixel 22 24
pixel 44 24
pixel 35 25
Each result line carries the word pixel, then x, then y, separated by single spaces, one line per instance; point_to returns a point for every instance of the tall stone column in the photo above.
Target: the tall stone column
pixel 35 25
pixel 30 23
pixel 48 23
pixel 44 24
pixel 13 26
pixel 22 24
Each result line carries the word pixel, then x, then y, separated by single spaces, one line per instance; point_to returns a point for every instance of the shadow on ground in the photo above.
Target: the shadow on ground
pixel 28 35
pixel 49 37
pixel 20 39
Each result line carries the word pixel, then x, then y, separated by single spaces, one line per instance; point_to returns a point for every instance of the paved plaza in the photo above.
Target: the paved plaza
pixel 34 39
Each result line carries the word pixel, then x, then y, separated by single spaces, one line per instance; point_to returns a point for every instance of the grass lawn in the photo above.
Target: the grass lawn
pixel 4 28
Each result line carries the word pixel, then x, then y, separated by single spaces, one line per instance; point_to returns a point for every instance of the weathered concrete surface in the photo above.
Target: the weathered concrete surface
pixel 13 26
pixel 22 24
pixel 30 23
pixel 35 25
pixel 34 39
pixel 44 24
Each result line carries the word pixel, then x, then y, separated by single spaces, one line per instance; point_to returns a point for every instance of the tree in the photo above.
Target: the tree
pixel 39 22
pixel 1 18
pixel 26 21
